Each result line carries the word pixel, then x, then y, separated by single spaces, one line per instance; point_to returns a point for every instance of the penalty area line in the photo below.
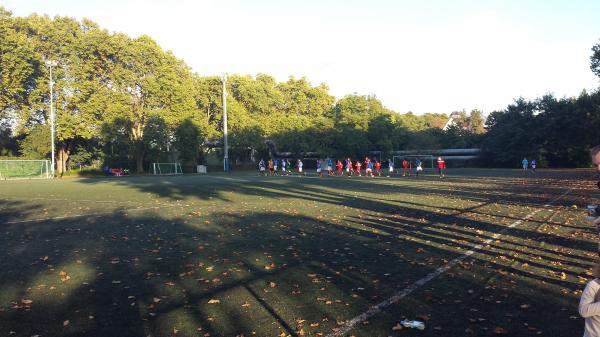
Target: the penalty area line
pixel 378 308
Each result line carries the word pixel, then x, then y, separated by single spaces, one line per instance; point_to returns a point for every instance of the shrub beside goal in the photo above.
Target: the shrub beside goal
pixel 166 168
pixel 25 169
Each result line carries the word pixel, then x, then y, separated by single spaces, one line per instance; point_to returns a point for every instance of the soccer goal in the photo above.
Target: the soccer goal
pixel 166 168
pixel 24 169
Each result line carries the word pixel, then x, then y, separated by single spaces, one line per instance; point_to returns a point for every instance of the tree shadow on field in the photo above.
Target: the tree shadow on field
pixel 186 270
pixel 155 274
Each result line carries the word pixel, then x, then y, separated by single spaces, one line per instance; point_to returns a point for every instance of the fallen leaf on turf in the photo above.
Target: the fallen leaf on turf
pixel 524 306
pixel 272 284
pixel 213 301
pixel 246 304
pixel 424 317
pixel 500 330
pixel 65 323
pixel 563 276
pixel 64 277
pixel 26 302
pixel 397 327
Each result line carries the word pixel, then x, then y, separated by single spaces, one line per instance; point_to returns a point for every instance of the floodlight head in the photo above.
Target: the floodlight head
pixel 51 63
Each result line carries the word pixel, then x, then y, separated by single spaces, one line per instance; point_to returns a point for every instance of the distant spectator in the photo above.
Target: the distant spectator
pixel 525 163
pixel 533 165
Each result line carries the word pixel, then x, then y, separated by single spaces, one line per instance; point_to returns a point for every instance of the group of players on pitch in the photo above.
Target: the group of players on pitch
pixel 371 167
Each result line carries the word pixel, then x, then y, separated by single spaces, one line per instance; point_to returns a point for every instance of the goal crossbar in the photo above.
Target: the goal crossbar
pixel 166 168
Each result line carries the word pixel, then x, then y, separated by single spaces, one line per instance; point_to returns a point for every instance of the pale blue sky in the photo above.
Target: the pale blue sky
pixel 422 56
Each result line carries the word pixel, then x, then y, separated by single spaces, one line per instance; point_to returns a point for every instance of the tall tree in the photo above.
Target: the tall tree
pixel 595 59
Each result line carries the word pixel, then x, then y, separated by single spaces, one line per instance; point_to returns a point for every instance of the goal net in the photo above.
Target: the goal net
pixel 25 169
pixel 166 168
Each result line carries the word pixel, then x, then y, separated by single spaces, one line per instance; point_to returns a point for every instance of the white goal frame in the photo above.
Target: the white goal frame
pixel 176 169
pixel 42 173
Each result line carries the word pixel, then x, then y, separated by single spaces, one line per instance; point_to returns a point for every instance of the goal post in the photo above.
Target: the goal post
pixel 166 168
pixel 25 169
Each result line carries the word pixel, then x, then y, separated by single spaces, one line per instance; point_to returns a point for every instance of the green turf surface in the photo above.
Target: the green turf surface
pixel 239 254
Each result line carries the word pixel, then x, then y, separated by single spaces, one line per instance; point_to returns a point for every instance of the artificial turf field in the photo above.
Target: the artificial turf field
pixel 243 255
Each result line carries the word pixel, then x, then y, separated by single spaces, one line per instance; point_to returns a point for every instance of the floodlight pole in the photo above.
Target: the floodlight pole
pixel 52 131
pixel 225 145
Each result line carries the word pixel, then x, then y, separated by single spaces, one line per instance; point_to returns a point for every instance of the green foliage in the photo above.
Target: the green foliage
pixel 36 144
pixel 187 142
pixel 595 59
pixel 156 140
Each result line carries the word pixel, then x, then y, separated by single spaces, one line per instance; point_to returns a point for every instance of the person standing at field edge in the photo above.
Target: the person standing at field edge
pixel 589 306
pixel 533 165
pixel 441 166
pixel 525 163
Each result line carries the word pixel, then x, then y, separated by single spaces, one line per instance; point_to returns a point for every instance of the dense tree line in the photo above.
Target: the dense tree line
pixel 127 102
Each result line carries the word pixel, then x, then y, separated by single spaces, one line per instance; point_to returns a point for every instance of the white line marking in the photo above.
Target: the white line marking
pixel 89 214
pixel 374 310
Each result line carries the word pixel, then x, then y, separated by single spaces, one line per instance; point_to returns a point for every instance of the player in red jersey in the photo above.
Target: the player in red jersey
pixel 339 167
pixel 378 167
pixel 358 165
pixel 405 167
pixel 441 166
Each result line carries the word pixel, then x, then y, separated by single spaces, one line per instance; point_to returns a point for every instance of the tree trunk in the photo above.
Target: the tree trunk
pixel 139 157
pixel 61 162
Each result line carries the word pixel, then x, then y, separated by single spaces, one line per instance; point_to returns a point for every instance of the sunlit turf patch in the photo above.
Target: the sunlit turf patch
pixel 226 256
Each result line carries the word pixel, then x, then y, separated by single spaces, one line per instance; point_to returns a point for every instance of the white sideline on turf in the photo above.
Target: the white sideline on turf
pixel 374 310
pixel 89 214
